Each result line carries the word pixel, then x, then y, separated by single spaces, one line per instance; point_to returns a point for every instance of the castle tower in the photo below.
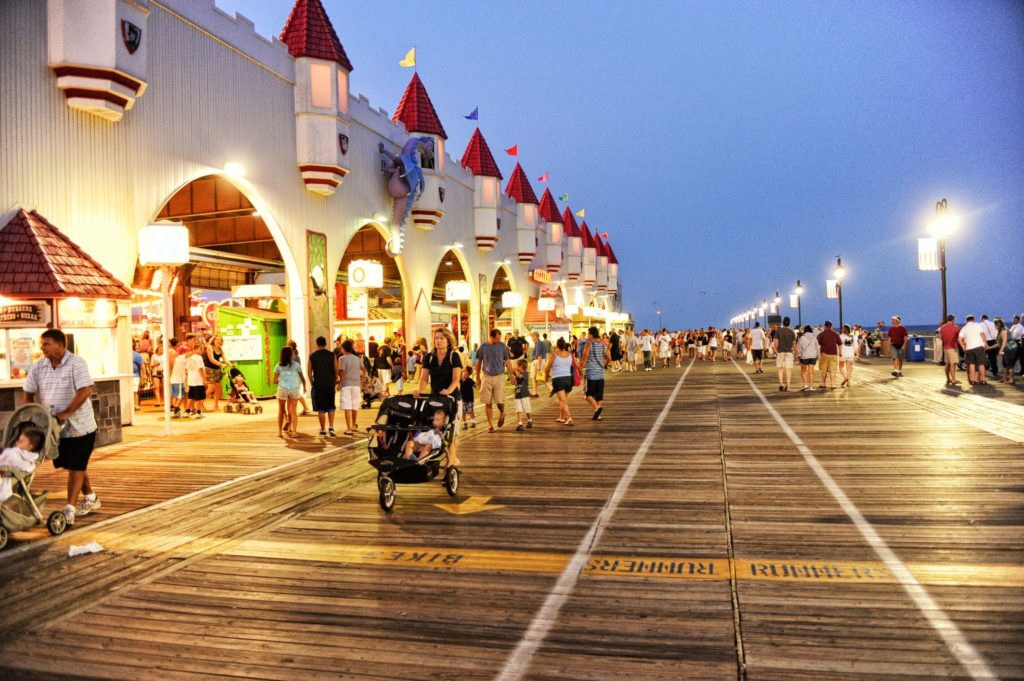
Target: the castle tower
pixel 548 212
pixel 97 50
pixel 321 97
pixel 417 113
pixel 613 270
pixel 478 160
pixel 572 247
pixel 520 190
pixel 602 264
pixel 589 257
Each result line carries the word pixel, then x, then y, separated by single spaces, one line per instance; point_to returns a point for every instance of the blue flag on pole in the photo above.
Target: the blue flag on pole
pixel 475 115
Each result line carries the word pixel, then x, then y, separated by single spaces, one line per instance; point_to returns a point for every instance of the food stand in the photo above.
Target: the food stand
pixel 253 339
pixel 47 281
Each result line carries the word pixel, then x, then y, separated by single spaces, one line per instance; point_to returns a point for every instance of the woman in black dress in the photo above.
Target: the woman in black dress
pixel 443 368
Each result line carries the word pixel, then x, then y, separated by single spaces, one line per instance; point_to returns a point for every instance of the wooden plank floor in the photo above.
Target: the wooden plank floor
pixel 726 559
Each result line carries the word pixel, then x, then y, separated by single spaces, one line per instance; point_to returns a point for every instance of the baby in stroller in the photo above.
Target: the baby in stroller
pixel 240 391
pixel 23 457
pixel 426 441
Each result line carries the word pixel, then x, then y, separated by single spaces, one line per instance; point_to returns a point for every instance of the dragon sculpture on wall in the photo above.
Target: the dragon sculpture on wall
pixel 405 182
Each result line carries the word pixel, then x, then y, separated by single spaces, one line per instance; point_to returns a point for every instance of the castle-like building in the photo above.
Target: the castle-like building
pixel 120 113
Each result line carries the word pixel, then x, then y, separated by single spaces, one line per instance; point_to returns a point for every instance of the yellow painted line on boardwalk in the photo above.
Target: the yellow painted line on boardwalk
pixel 649 567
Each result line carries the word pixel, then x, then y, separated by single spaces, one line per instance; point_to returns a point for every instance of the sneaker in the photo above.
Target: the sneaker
pixel 782 388
pixel 323 433
pixel 529 424
pixel 519 428
pixel 894 374
pixel 199 414
pixel 87 505
pixel 330 431
pixel 175 414
pixel 473 424
pixel 69 515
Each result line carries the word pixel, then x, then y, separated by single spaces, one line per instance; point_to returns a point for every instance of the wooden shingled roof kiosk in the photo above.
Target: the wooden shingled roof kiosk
pixel 48 281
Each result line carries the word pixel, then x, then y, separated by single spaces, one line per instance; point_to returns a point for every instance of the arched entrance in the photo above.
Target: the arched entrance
pixel 384 316
pixel 498 316
pixel 239 263
pixel 452 314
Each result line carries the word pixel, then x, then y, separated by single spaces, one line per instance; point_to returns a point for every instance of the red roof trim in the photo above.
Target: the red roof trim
pixel 309 33
pixel 588 240
pixel 417 112
pixel 569 220
pixel 519 187
pixel 611 253
pixel 40 261
pixel 548 208
pixel 477 157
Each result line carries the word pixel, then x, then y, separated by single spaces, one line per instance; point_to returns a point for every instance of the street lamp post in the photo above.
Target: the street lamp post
pixel 799 291
pixel 941 227
pixel 839 273
pixel 165 245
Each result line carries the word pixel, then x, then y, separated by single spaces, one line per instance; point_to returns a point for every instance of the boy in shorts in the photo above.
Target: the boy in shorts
pixel 195 371
pixel 428 440
pixel 521 376
pixel 466 386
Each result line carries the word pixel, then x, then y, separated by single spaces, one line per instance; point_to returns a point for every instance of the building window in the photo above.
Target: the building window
pixel 320 86
pixel 490 191
pixel 343 91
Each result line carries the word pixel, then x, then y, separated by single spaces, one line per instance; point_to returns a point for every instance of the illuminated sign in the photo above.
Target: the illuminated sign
pixel 25 313
pixel 540 276
pixel 457 291
pixel 75 313
pixel 365 274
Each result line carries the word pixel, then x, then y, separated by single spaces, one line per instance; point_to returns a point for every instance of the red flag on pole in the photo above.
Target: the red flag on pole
pixel 543 178
pixel 604 235
pixel 513 150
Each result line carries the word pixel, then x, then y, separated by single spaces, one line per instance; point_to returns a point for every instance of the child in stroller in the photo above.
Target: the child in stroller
pixel 31 435
pixel 242 399
pixel 428 441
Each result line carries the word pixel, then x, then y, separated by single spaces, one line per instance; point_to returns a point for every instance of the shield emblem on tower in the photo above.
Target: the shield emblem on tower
pixel 131 35
pixel 343 144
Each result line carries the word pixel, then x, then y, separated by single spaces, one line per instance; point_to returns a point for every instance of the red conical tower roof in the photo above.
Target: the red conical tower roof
pixel 40 262
pixel 478 159
pixel 309 33
pixel 599 245
pixel 416 110
pixel 611 253
pixel 569 222
pixel 548 208
pixel 588 240
pixel 519 187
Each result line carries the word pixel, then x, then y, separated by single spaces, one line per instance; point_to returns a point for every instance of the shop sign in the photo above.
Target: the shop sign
pixel 540 276
pixel 25 313
pixel 210 315
pixel 356 303
pixel 75 313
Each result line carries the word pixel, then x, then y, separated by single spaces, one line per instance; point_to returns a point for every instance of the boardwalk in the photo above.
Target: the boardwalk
pixel 869 533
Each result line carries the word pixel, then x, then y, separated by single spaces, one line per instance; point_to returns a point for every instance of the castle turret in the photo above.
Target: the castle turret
pixel 478 160
pixel 572 247
pixel 589 257
pixel 613 270
pixel 321 97
pixel 602 264
pixel 520 190
pixel 548 212
pixel 417 113
pixel 97 50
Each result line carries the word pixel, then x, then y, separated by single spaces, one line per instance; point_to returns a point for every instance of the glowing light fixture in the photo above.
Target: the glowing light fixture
pixel 457 291
pixel 234 169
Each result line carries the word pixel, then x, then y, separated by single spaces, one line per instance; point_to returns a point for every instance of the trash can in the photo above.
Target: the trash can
pixel 915 351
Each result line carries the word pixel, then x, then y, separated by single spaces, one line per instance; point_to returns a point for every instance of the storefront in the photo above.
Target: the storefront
pixel 47 281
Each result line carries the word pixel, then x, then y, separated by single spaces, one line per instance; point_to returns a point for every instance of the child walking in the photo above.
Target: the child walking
pixel 466 386
pixel 522 379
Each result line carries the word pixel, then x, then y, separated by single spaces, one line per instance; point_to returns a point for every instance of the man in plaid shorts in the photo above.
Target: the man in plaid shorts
pixel 61 382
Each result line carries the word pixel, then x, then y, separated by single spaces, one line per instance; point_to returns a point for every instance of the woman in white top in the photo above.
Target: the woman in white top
pixel 849 346
pixel 713 344
pixel 807 348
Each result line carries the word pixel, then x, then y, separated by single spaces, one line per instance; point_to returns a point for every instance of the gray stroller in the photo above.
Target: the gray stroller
pixel 23 511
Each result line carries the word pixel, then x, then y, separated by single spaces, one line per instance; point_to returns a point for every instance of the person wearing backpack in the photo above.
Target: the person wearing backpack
pixel 594 362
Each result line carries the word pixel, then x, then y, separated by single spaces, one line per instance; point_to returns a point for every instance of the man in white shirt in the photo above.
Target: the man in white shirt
pixel 973 340
pixel 1017 334
pixel 991 338
pixel 647 346
pixel 757 337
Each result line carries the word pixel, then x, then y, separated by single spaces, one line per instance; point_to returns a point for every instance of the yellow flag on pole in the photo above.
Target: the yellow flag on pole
pixel 410 58
pixel 581 213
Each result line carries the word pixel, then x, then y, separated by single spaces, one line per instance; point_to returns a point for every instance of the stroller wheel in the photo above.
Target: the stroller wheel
pixel 451 481
pixel 387 493
pixel 56 523
pixel 246 410
pixel 259 409
pixel 3 536
pixel 227 408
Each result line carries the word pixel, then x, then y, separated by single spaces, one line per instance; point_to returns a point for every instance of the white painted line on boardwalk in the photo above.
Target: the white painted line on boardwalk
pixel 958 645
pixel 518 663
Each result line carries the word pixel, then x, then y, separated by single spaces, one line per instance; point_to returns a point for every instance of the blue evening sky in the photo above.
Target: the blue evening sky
pixel 731 148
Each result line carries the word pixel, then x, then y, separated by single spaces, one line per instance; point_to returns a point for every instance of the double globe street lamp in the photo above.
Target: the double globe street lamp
pixel 941 227
pixel 799 292
pixel 839 273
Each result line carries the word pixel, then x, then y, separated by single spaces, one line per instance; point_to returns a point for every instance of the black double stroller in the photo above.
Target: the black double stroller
pixel 398 419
